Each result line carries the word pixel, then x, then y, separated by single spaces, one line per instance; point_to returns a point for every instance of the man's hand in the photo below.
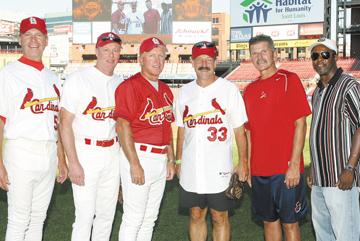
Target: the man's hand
pixel 346 180
pixel 292 177
pixel 63 172
pixel 309 179
pixel 170 171
pixel 137 174
pixel 76 174
pixel 242 171
pixel 4 181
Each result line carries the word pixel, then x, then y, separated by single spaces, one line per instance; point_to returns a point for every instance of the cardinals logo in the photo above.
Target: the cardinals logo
pixel 98 113
pixel 157 116
pixel 201 119
pixel 38 106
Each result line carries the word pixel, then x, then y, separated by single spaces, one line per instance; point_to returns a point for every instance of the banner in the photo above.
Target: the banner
pixel 279 32
pixel 240 34
pixel 191 32
pixel 246 13
pixel 278 44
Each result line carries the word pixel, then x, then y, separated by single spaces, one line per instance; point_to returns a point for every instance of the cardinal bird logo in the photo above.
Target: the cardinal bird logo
pixel 216 105
pixel 148 109
pixel 91 105
pixel 56 90
pixel 28 97
pixel 156 116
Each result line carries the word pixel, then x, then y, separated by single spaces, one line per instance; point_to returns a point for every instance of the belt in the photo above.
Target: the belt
pixel 102 143
pixel 153 149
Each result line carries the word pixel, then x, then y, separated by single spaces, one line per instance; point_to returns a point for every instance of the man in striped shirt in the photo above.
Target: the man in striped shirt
pixel 334 147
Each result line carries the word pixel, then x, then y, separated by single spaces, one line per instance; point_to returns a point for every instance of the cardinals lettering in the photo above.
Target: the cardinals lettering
pixel 201 119
pixel 156 116
pixel 98 113
pixel 39 106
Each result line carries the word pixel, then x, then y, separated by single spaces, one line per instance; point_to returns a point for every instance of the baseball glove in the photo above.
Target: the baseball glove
pixel 236 187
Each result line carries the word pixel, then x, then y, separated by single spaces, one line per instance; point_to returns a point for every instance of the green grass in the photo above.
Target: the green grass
pixel 171 226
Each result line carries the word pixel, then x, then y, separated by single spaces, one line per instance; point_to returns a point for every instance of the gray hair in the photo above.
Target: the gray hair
pixel 262 38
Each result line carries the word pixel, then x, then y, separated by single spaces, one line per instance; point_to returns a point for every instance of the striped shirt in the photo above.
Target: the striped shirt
pixel 336 116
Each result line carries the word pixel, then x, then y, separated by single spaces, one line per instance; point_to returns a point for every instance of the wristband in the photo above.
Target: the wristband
pixel 178 162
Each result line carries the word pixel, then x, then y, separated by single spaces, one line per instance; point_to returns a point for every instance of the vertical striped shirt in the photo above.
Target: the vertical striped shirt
pixel 336 116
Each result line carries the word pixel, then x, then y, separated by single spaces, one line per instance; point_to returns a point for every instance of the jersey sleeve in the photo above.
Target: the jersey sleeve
pixel 125 101
pixel 237 112
pixel 352 105
pixel 296 102
pixel 4 96
pixel 177 110
pixel 70 96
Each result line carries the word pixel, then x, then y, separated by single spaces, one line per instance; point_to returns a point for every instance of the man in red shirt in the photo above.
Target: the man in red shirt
pixel 152 19
pixel 143 111
pixel 119 20
pixel 276 106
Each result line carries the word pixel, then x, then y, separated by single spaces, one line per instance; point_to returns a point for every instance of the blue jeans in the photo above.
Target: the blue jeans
pixel 335 213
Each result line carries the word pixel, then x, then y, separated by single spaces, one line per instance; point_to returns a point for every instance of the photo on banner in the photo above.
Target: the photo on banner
pixel 141 17
pixel 91 10
pixel 192 10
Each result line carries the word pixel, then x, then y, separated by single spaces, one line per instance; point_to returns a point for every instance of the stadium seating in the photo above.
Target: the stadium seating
pixel 246 72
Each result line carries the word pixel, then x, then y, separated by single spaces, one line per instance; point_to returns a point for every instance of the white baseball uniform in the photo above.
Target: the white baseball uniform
pixel 136 21
pixel 89 95
pixel 29 100
pixel 208 116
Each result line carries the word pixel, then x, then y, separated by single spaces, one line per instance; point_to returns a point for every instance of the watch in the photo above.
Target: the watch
pixel 350 168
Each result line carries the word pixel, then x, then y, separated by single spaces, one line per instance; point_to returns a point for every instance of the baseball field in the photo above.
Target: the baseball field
pixel 171 225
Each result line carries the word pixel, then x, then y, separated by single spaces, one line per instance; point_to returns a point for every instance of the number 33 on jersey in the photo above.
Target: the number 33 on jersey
pixel 208 116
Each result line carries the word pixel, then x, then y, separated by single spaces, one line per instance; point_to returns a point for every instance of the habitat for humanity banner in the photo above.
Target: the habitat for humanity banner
pixel 245 13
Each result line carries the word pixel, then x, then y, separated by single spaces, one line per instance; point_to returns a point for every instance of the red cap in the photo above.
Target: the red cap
pixel 150 43
pixel 33 22
pixel 204 47
pixel 107 38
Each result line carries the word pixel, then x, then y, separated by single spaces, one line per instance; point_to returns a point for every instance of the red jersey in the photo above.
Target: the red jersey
pixel 148 110
pixel 152 19
pixel 272 106
pixel 119 18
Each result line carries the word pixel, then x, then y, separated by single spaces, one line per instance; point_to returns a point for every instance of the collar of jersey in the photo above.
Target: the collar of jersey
pixel 36 64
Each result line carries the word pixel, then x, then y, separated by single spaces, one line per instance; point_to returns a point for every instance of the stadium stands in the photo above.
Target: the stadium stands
pixel 246 72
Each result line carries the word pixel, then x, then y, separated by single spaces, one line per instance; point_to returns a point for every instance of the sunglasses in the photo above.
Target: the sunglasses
pixel 115 39
pixel 324 55
pixel 204 44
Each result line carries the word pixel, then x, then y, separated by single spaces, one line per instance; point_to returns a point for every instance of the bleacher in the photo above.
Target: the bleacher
pixel 182 71
pixel 246 72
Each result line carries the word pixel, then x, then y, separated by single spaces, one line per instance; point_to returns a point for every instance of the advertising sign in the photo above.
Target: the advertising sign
pixel 191 32
pixel 246 13
pixel 279 32
pixel 279 44
pixel 240 34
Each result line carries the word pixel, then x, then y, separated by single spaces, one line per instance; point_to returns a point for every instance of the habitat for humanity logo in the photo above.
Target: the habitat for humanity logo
pixel 255 9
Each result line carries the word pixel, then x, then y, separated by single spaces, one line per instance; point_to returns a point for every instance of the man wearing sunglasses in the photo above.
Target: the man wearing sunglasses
pixel 334 147
pixel 276 106
pixel 91 143
pixel 208 110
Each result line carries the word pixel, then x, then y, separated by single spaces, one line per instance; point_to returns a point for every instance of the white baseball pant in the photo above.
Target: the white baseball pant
pixel 31 167
pixel 142 202
pixel 95 202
